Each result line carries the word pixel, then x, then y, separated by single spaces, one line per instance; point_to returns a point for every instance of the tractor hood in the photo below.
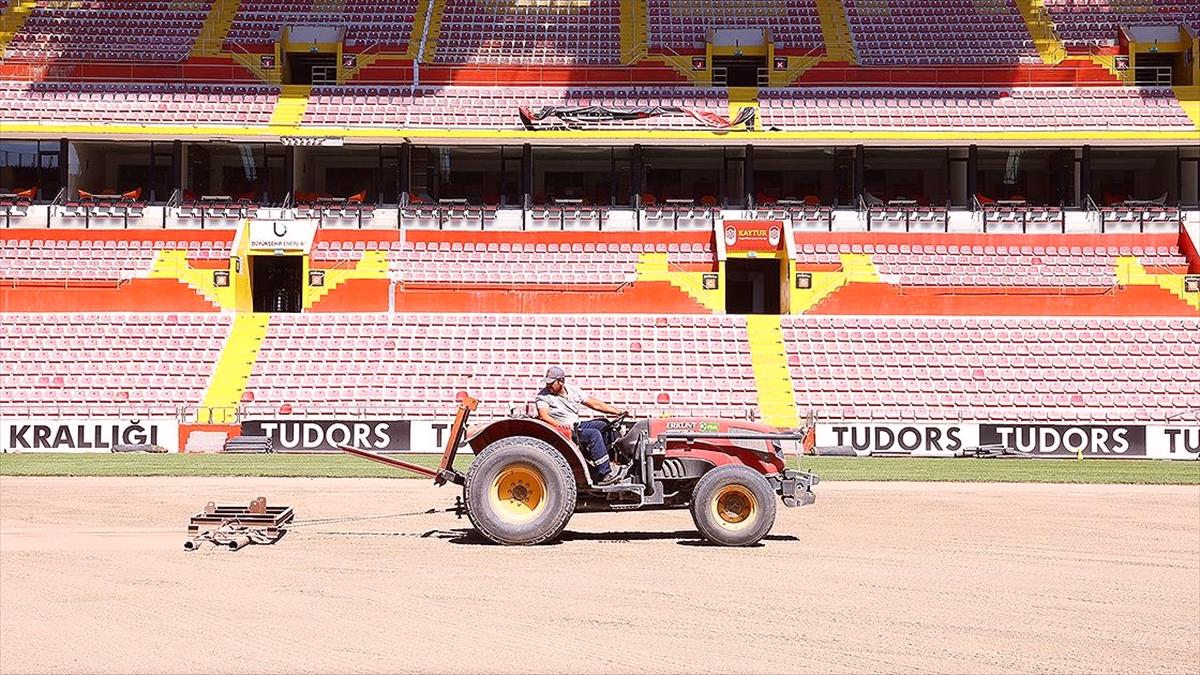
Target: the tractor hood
pixel 706 425
pixel 701 426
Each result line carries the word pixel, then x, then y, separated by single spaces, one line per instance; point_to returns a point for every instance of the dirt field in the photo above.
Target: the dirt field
pixel 899 577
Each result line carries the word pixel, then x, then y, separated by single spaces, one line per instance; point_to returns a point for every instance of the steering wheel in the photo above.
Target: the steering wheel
pixel 616 421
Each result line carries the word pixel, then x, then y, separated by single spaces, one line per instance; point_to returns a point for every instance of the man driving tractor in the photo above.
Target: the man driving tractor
pixel 558 403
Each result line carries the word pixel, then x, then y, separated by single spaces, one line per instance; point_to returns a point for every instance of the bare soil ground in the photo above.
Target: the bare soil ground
pixel 899 577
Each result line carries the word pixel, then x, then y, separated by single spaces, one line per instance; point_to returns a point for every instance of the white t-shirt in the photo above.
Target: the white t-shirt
pixel 565 408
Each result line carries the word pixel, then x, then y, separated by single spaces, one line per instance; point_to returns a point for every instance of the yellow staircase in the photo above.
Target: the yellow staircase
pixel 253 63
pixel 13 19
pixel 654 267
pixel 634 31
pixel 1131 272
pixel 682 64
pixel 431 34
pixel 797 66
pixel 835 29
pixel 293 101
pixel 233 368
pixel 856 267
pixel 373 265
pixel 776 397
pixel 1109 63
pixel 173 264
pixel 1043 31
pixel 211 40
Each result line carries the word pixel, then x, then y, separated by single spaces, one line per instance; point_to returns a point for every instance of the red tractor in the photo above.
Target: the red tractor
pixel 528 479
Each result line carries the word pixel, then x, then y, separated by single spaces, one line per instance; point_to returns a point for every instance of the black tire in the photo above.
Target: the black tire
pixel 733 505
pixel 501 485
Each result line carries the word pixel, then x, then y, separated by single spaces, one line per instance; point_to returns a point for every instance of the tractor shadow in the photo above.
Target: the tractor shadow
pixel 469 537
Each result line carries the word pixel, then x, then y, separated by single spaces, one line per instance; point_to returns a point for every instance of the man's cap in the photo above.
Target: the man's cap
pixel 553 374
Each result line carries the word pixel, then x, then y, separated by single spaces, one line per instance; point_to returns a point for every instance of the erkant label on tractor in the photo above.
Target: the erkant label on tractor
pixel 528 478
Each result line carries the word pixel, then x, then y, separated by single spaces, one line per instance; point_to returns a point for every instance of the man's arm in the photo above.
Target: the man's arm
pixel 600 406
pixel 544 415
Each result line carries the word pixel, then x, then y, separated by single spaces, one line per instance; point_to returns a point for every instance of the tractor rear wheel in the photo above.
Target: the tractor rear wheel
pixel 733 505
pixel 520 490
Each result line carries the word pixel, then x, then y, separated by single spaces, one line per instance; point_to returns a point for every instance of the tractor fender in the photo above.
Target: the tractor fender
pixel 479 438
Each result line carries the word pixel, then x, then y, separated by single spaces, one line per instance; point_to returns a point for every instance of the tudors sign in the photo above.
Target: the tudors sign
pixel 1062 440
pixel 1173 442
pixel 934 440
pixel 86 435
pixel 308 435
pixel 325 435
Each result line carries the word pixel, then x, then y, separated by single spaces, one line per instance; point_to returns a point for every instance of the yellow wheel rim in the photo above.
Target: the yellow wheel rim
pixel 518 493
pixel 735 507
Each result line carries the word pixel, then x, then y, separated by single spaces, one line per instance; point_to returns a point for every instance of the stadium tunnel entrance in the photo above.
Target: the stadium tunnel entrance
pixel 310 68
pixel 739 71
pixel 275 283
pixel 752 286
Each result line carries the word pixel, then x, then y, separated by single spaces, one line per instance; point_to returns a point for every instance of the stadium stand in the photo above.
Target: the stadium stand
pixel 845 368
pixel 1096 24
pixel 682 25
pixel 114 29
pixel 338 363
pixel 117 103
pixel 550 264
pixel 26 260
pixel 80 365
pixel 490 107
pixel 936 166
pixel 997 266
pixel 979 369
pixel 917 32
pixel 549 32
pixel 380 24
pixel 1020 108
pixel 498 108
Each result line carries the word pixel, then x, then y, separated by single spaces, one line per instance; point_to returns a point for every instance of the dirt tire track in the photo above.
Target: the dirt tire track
pixel 899 577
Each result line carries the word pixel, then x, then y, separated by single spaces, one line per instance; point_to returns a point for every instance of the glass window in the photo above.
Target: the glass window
pixel 917 175
pixel 349 170
pixel 480 175
pixel 1119 174
pixel 1039 176
pixel 693 174
pixel 26 165
pixel 597 176
pixel 253 171
pixel 801 174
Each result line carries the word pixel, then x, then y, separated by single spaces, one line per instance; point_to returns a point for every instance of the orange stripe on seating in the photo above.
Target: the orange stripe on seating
pixel 885 299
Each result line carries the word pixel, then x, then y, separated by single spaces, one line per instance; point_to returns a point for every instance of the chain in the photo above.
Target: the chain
pixel 352 519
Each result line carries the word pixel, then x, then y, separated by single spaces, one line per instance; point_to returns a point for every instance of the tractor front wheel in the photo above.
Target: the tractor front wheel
pixel 733 505
pixel 520 490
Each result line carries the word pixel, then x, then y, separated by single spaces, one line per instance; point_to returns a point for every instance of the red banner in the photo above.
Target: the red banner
pixel 753 235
